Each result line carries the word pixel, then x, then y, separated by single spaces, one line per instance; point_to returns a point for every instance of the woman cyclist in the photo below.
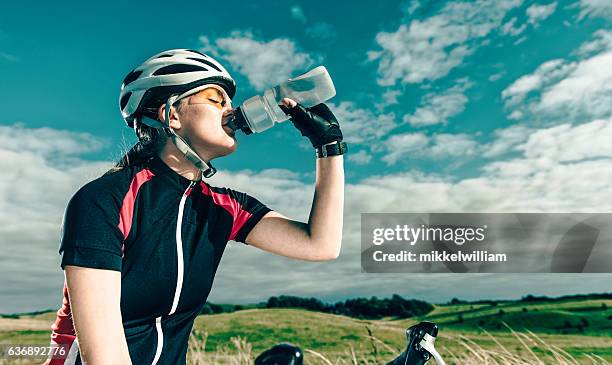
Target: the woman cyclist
pixel 140 245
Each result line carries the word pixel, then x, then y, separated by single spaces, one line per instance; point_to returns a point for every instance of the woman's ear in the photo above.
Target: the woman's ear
pixel 175 123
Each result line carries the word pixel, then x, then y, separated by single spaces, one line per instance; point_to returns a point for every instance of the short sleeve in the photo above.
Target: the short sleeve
pixel 90 233
pixel 247 212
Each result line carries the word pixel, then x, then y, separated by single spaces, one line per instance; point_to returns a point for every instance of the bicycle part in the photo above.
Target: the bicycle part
pixel 281 354
pixel 421 338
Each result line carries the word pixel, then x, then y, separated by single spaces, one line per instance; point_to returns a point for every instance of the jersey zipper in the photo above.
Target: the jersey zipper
pixel 180 271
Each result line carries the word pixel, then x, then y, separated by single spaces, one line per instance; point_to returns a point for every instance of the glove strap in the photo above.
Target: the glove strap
pixel 334 149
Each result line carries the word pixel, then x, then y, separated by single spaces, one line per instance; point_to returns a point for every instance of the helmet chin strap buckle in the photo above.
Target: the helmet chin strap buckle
pixel 206 167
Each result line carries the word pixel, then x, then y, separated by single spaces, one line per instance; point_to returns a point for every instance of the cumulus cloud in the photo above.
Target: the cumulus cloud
pixel 510 28
pixel 361 157
pixel 419 145
pixel 360 125
pixel 41 169
pixel 577 90
pixel 506 140
pixel 596 8
pixel 536 13
pixel 403 145
pixel 264 63
pixel 427 49
pixel 601 42
pixel 438 108
pixel 518 90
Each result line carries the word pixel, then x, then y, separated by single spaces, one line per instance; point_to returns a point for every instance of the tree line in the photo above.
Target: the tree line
pixel 365 308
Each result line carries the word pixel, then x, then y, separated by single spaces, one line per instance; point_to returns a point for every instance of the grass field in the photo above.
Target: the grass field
pixel 561 332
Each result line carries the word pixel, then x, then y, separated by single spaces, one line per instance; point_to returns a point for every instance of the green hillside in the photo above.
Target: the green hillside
pixel 578 328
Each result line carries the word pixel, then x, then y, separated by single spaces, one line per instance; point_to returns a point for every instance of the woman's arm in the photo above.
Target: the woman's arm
pixel 321 237
pixel 95 304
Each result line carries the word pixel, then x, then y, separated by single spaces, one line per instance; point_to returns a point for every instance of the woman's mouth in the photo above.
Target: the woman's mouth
pixel 229 130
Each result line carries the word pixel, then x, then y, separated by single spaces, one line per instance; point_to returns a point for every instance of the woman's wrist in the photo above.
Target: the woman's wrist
pixel 333 148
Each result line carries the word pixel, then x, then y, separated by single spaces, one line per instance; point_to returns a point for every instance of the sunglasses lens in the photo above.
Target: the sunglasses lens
pixel 211 96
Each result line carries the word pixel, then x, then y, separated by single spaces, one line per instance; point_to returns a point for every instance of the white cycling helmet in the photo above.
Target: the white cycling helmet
pixel 168 73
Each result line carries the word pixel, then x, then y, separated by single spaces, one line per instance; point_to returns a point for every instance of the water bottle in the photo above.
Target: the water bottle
pixel 261 112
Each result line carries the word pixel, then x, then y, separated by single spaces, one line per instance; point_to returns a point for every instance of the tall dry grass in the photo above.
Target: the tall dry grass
pixel 524 349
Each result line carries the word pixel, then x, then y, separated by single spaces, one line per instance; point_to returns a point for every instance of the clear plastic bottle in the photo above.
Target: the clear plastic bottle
pixel 261 112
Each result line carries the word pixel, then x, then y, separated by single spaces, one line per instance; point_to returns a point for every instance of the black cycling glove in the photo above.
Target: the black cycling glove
pixel 318 123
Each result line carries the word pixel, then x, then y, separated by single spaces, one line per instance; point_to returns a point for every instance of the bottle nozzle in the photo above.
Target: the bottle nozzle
pixel 238 121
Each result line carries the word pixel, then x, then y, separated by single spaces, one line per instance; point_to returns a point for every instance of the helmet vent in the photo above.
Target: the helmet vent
pixel 164 55
pixel 124 100
pixel 178 69
pixel 200 53
pixel 206 63
pixel 131 77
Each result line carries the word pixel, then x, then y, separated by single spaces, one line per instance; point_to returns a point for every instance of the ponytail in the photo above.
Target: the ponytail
pixel 150 142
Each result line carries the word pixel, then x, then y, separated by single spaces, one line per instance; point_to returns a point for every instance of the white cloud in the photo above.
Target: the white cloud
pixel 566 143
pixel 452 145
pixel 361 157
pixel 41 169
pixel 507 140
pixel 418 145
pixel 47 141
pixel 496 76
pixel 602 42
pixel 362 126
pixel 439 108
pixel 518 90
pixel 586 90
pixel 537 13
pixel 390 96
pixel 428 49
pixel 264 63
pixel 510 29
pixel 576 91
pixel 297 13
pixel 596 8
pixel 401 145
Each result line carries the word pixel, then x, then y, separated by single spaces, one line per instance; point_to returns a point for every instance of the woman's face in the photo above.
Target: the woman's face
pixel 203 117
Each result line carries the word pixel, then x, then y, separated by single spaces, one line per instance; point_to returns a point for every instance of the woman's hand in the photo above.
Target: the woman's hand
pixel 318 123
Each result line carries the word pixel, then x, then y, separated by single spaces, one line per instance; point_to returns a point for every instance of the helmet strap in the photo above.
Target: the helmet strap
pixel 206 167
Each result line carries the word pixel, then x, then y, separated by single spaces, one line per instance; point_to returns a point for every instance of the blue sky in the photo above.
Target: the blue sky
pixel 446 105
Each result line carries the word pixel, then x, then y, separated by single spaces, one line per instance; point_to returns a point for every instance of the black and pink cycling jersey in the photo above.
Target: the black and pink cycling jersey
pixel 166 235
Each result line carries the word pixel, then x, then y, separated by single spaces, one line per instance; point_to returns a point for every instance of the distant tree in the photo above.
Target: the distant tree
pixel 524 310
pixel 272 302
pixel 584 321
pixel 460 318
pixel 456 301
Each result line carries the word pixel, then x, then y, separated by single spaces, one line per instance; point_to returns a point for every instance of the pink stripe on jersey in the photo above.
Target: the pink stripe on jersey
pixel 126 214
pixel 234 208
pixel 63 329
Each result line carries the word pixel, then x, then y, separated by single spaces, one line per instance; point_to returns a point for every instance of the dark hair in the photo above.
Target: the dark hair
pixel 150 141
